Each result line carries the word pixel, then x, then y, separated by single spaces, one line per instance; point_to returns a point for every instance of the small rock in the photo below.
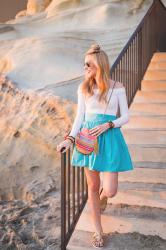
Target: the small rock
pixel 17 134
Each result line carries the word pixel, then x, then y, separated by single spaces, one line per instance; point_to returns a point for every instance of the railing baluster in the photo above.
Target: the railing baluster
pixel 73 192
pixel 78 189
pixel 68 191
pixel 127 53
pixel 63 201
pixel 82 185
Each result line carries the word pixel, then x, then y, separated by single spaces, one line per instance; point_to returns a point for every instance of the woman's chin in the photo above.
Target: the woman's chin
pixel 89 76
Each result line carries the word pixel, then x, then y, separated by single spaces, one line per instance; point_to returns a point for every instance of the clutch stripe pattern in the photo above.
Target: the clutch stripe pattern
pixel 85 143
pixel 88 144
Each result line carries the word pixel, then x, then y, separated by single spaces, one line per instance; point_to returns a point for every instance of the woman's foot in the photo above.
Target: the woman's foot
pixel 97 240
pixel 103 202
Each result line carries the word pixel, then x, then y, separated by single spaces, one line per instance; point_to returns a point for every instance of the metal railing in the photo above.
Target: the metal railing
pixel 149 37
pixel 74 194
pixel 129 68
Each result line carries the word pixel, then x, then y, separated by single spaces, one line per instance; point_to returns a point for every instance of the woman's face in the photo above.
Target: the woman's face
pixel 90 67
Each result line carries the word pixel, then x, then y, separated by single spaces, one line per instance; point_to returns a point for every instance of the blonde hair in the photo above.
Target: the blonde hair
pixel 101 61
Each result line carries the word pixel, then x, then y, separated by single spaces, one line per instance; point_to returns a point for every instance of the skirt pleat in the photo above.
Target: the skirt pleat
pixel 113 154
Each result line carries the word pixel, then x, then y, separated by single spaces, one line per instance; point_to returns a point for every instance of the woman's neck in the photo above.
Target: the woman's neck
pixel 110 84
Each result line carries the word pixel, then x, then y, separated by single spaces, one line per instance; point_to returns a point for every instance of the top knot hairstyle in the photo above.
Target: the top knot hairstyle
pixel 95 48
pixel 101 61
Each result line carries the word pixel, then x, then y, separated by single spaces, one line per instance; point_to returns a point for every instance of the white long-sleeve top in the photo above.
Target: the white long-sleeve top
pixel 92 105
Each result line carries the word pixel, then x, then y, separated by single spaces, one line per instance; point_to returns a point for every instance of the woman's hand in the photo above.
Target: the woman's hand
pixel 64 145
pixel 99 129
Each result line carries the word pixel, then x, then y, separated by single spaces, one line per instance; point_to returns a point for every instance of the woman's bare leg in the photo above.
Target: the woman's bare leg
pixel 110 184
pixel 93 181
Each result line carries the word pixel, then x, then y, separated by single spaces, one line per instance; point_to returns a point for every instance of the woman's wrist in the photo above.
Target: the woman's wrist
pixel 70 138
pixel 107 125
pixel 67 139
pixel 110 124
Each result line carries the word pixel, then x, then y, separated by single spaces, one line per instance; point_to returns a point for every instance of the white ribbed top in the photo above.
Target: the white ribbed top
pixel 92 105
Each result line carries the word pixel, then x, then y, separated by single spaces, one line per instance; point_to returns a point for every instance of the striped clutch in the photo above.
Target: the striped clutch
pixel 86 143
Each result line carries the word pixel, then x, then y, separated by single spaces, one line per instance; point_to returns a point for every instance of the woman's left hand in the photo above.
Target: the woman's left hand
pixel 99 129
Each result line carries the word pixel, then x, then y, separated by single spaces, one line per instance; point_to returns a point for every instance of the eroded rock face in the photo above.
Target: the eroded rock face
pixel 35 6
pixel 59 37
pixel 60 5
pixel 31 126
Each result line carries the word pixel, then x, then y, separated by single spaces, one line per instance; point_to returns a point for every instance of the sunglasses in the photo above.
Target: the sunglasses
pixel 87 64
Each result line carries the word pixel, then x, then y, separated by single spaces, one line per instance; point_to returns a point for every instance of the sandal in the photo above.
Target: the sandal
pixel 97 240
pixel 103 202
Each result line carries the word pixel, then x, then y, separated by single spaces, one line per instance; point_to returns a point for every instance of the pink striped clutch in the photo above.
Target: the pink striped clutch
pixel 86 143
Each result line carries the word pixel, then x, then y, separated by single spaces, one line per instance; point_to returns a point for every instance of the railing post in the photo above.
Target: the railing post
pixel 63 201
pixel 156 27
pixel 140 58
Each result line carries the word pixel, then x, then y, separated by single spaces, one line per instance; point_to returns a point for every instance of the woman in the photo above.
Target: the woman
pixel 113 155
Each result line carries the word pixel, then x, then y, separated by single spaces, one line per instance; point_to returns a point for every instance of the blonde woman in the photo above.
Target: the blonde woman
pixel 113 155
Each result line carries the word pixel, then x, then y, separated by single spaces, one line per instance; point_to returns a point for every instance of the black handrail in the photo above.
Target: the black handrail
pixel 128 68
pixel 148 37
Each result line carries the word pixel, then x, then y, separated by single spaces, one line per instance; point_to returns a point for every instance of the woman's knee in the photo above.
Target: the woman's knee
pixel 110 193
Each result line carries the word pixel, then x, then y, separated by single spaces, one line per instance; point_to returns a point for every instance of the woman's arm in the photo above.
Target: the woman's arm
pixel 124 111
pixel 80 113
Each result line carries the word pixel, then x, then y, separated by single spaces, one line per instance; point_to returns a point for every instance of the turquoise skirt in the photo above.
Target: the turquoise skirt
pixel 113 154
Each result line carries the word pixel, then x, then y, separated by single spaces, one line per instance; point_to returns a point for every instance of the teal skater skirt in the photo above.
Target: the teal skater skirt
pixel 113 154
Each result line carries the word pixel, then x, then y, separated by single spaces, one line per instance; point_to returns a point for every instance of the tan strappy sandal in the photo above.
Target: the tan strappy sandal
pixel 97 240
pixel 103 202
